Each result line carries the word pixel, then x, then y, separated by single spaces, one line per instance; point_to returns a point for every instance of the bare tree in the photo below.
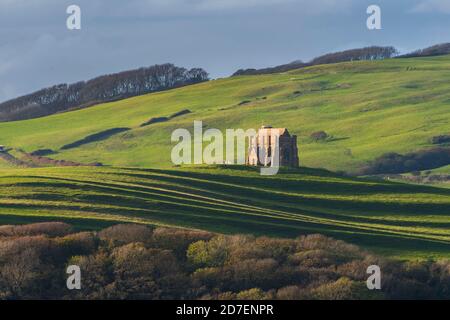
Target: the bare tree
pixel 111 87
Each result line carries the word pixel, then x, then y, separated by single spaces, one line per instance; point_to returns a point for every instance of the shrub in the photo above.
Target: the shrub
pixel 252 272
pixel 440 277
pixel 11 247
pixel 126 233
pixel 291 293
pixel 82 243
pixel 25 266
pixel 142 273
pixel 209 277
pixel 342 289
pixel 18 274
pixel 317 241
pixel 183 264
pixel 356 269
pixel 319 136
pixel 317 258
pixel 414 161
pixel 51 229
pixel 252 294
pixel 243 247
pixel 226 296
pixel 135 259
pixel 178 240
pixel 98 276
pixel 211 253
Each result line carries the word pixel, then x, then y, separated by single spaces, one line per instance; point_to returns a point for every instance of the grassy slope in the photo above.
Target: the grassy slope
pixel 443 170
pixel 369 107
pixel 399 220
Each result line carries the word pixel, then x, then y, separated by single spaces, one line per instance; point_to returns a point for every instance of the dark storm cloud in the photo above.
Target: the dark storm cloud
pixel 36 49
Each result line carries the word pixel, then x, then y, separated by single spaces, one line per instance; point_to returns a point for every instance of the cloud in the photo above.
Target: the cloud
pixel 432 6
pixel 21 4
pixel 37 50
pixel 8 91
pixel 221 5
pixel 54 10
pixel 237 4
pixel 307 6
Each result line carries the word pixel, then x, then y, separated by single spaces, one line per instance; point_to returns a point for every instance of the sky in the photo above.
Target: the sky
pixel 221 36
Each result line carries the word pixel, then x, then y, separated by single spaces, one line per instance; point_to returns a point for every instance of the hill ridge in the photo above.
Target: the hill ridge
pixel 106 88
pixel 365 108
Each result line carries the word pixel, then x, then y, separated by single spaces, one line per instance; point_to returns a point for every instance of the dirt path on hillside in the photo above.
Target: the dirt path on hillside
pixel 13 160
pixel 29 161
pixel 40 161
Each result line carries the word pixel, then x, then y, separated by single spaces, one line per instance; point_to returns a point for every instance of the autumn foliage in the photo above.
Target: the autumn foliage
pixel 138 262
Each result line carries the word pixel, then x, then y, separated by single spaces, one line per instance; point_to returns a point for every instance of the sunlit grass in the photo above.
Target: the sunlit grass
pixel 369 108
pixel 395 219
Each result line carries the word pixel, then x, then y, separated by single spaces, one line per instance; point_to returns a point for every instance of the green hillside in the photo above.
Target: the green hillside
pixel 394 219
pixel 369 108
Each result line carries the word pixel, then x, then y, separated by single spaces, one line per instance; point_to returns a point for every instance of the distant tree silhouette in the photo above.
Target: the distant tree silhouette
pixel 368 53
pixel 282 68
pixel 106 88
pixel 436 50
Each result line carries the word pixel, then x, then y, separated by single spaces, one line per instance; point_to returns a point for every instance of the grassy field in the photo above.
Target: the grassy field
pixel 442 170
pixel 369 108
pixel 398 220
